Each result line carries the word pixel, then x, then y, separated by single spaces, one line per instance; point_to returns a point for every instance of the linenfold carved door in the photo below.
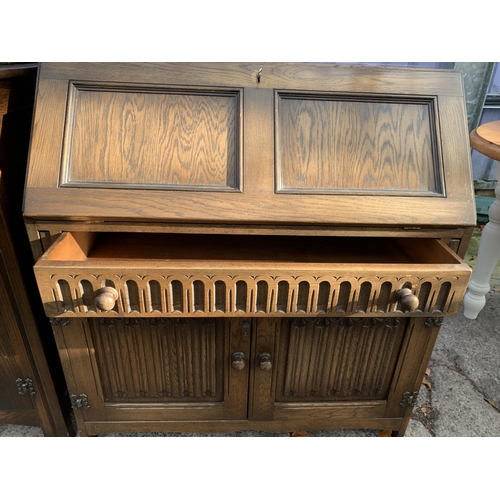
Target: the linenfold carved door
pixel 157 369
pixel 342 368
pixel 265 369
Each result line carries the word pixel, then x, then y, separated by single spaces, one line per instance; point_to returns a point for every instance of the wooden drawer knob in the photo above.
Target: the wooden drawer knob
pixel 265 363
pixel 238 360
pixel 106 298
pixel 407 300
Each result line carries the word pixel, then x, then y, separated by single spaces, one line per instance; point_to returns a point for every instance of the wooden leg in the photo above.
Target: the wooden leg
pixel 299 434
pixel 487 258
pixel 385 433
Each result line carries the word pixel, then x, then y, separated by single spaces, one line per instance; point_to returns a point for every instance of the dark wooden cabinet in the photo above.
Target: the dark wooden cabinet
pixel 241 246
pixel 31 381
pixel 16 378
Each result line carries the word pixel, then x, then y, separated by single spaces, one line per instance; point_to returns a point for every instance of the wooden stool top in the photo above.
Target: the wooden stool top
pixel 486 139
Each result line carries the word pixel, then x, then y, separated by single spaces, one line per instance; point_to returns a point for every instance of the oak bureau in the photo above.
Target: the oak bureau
pixel 229 246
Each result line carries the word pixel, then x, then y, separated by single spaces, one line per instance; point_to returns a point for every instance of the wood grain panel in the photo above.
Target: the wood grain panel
pixel 201 207
pixel 338 359
pixel 4 98
pixel 443 233
pixel 47 134
pixel 263 382
pixel 328 144
pixel 455 149
pixel 334 411
pixel 415 354
pixel 10 369
pixel 259 204
pixel 142 138
pixel 310 76
pixel 20 417
pixel 238 338
pixel 295 418
pixel 13 354
pixel 159 360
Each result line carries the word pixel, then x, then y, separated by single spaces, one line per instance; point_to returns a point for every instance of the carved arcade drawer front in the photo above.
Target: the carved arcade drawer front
pixel 140 274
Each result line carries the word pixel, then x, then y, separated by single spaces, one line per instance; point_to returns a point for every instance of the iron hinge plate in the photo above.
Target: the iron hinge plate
pixel 409 399
pixel 79 402
pixel 25 387
pixel 59 321
pixel 436 322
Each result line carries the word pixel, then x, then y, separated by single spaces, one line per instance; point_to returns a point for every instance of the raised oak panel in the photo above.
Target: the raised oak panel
pixel 152 138
pixel 328 144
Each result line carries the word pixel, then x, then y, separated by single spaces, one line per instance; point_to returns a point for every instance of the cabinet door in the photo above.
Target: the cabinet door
pixel 154 370
pixel 13 365
pixel 335 369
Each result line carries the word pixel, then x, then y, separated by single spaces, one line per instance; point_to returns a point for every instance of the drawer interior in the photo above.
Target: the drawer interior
pixel 213 275
pixel 97 248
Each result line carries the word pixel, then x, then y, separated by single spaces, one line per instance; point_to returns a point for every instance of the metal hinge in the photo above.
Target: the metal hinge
pixel 437 322
pixel 409 399
pixel 59 321
pixel 25 387
pixel 79 402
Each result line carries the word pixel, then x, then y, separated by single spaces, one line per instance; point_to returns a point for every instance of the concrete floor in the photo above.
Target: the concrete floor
pixel 460 395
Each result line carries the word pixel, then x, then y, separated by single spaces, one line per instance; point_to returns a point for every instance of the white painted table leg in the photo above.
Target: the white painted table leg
pixel 487 258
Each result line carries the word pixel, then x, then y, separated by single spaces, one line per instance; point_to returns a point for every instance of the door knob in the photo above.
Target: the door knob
pixel 407 300
pixel 238 360
pixel 106 298
pixel 265 363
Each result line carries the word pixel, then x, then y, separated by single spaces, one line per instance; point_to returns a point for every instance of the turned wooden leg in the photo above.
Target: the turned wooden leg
pixel 385 433
pixel 487 258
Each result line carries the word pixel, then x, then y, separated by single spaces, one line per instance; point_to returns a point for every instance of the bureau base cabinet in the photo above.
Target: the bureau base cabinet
pixel 219 375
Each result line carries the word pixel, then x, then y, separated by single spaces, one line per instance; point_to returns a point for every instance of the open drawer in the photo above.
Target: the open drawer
pixel 143 274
